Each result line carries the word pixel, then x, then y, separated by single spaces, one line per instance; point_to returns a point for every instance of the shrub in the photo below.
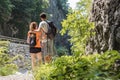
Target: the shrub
pixel 90 67
pixel 62 51
pixel 6 65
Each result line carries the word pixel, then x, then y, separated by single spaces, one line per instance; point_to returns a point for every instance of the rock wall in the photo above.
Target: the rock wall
pixel 21 51
pixel 56 14
pixel 106 16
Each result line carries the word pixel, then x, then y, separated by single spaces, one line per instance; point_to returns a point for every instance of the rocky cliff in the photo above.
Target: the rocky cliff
pixel 56 14
pixel 106 16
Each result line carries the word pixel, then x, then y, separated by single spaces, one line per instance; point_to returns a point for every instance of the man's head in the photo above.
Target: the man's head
pixel 43 16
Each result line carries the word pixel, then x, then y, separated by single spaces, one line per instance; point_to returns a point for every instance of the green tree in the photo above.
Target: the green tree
pixel 5 13
pixel 41 6
pixel 78 26
pixel 5 10
pixel 21 15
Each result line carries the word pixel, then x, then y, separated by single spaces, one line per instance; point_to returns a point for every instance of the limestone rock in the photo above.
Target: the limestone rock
pixel 105 14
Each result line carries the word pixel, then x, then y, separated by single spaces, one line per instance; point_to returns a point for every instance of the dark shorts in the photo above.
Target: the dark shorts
pixel 35 50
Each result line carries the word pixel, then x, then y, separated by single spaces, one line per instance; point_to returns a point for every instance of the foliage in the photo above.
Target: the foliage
pixel 6 65
pixel 62 51
pixel 40 6
pixel 21 15
pixel 78 27
pixel 5 10
pixel 84 6
pixel 90 67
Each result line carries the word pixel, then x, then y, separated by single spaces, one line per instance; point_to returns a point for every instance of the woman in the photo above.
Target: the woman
pixel 33 40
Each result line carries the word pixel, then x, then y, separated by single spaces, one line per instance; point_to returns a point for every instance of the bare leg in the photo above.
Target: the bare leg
pixel 33 59
pixel 39 57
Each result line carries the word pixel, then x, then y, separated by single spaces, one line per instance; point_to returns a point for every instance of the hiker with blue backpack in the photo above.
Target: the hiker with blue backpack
pixel 33 39
pixel 48 33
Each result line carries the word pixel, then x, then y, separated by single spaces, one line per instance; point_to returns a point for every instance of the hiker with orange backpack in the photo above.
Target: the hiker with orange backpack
pixel 33 39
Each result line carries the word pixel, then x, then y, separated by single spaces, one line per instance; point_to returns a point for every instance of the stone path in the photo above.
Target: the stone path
pixel 18 76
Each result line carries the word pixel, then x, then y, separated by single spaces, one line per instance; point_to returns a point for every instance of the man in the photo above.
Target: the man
pixel 47 44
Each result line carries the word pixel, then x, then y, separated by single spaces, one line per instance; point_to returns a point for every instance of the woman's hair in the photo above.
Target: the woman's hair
pixel 33 26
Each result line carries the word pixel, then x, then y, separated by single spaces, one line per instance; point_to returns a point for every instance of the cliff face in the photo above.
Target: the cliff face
pixel 106 16
pixel 56 13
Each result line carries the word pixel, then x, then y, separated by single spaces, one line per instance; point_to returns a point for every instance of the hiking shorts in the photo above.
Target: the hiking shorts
pixel 48 48
pixel 35 50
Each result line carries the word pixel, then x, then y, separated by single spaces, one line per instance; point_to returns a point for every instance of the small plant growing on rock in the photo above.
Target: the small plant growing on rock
pixel 6 65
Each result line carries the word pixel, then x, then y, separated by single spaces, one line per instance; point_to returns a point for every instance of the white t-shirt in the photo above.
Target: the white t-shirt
pixel 44 25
